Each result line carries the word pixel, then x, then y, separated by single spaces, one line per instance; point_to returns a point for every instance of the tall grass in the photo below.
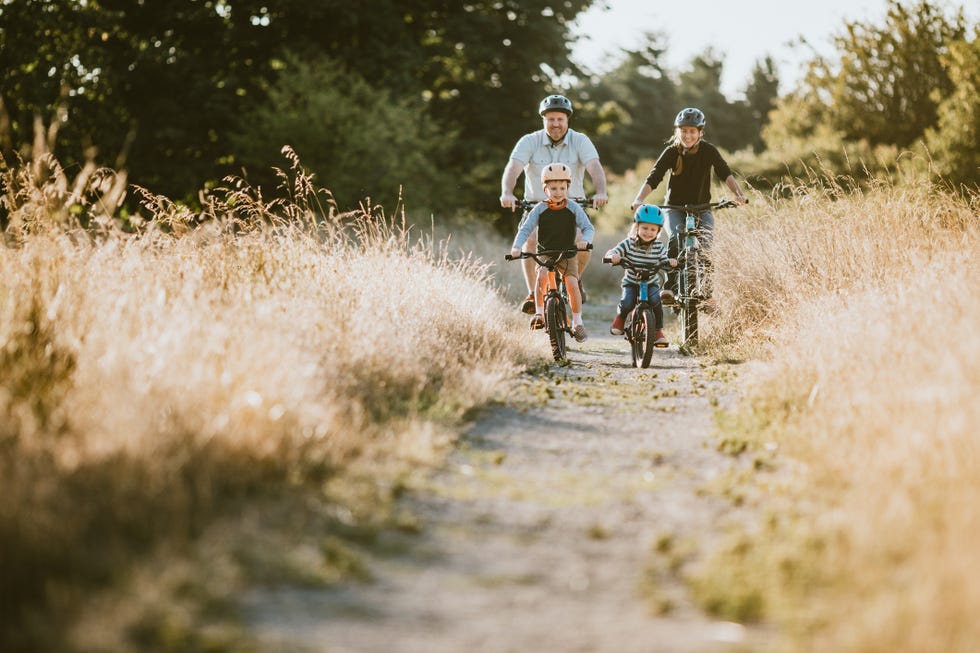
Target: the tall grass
pixel 209 369
pixel 863 307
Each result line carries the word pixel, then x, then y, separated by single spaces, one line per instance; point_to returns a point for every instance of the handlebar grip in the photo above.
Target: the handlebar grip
pixel 607 260
pixel 508 257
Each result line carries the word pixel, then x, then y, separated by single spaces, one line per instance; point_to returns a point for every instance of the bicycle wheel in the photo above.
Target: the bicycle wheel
pixel 641 337
pixel 554 319
pixel 690 283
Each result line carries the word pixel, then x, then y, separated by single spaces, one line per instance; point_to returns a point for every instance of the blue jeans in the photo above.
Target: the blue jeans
pixel 675 227
pixel 631 293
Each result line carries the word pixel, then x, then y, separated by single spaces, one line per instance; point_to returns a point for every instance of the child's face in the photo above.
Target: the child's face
pixel 556 190
pixel 647 232
pixel 688 136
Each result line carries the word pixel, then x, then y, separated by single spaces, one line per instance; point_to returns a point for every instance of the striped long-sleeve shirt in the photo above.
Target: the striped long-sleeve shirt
pixel 632 251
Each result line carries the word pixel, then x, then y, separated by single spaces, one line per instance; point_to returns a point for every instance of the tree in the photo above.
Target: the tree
pixel 360 141
pixel 887 86
pixel 628 111
pixel 954 140
pixel 173 78
pixel 761 96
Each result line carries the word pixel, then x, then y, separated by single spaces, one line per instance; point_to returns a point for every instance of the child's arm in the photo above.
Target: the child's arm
pixel 527 228
pixel 582 222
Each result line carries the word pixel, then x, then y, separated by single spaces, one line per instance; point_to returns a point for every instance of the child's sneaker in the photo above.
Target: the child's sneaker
pixel 667 297
pixel 537 322
pixel 659 340
pixel 617 326
pixel 528 305
pixel 579 333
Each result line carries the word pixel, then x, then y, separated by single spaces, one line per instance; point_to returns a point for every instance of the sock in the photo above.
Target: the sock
pixel 576 319
pixel 539 309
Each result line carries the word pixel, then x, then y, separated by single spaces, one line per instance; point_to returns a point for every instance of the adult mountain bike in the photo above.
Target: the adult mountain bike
pixel 693 280
pixel 641 323
pixel 557 311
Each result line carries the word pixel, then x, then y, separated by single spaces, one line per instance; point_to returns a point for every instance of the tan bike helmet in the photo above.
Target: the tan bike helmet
pixel 556 172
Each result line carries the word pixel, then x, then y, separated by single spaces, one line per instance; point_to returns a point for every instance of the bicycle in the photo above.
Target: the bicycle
pixel 693 283
pixel 557 312
pixel 641 322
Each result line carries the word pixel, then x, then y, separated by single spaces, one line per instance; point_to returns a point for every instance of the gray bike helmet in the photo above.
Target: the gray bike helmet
pixel 555 103
pixel 690 117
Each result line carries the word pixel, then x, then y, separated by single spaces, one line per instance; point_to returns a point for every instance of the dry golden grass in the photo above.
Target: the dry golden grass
pixel 864 307
pixel 157 383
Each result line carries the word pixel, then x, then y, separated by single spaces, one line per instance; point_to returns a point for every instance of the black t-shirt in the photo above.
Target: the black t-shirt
pixel 690 182
pixel 556 229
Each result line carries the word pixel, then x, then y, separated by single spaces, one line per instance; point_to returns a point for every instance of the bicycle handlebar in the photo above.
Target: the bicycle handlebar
pixel 527 205
pixel 638 268
pixel 693 208
pixel 557 254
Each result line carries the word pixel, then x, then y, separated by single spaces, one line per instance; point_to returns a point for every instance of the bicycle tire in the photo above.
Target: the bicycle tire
pixel 642 332
pixel 554 319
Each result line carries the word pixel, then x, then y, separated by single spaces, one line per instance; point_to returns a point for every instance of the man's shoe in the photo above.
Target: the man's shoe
pixel 667 297
pixel 617 326
pixel 537 322
pixel 528 305
pixel 579 333
pixel 659 340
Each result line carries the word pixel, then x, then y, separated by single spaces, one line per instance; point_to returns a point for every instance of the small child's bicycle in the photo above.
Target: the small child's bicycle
pixel 692 278
pixel 557 312
pixel 641 323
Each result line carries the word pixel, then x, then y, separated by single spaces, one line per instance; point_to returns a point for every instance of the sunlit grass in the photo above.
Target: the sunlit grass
pixel 863 306
pixel 183 396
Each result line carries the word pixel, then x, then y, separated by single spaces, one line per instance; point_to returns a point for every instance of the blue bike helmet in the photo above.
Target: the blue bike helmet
pixel 650 214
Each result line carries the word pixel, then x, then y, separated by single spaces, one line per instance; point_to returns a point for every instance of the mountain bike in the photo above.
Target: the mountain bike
pixel 693 282
pixel 641 322
pixel 557 311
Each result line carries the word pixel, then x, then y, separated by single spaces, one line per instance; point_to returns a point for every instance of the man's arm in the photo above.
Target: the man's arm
pixel 594 168
pixel 507 182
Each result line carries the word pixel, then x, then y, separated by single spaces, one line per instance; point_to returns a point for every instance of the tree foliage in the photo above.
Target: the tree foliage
pixel 954 141
pixel 167 81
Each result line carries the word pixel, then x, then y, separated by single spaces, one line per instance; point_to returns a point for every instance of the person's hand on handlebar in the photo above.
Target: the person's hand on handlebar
pixel 599 200
pixel 508 201
pixel 613 256
pixel 515 252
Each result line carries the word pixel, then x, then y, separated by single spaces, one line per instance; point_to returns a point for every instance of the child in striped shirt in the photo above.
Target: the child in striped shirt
pixel 642 247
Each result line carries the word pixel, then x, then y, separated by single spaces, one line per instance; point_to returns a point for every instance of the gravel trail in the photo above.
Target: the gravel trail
pixel 564 521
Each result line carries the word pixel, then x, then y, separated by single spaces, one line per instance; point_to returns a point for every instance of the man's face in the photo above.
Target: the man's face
pixel 556 124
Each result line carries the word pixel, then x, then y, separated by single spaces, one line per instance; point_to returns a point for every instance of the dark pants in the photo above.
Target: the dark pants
pixel 631 293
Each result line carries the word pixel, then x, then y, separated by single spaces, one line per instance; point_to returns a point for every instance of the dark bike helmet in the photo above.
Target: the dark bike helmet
pixel 650 214
pixel 555 103
pixel 690 117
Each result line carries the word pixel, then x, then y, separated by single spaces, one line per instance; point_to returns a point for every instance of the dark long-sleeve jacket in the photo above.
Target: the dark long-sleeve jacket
pixel 690 174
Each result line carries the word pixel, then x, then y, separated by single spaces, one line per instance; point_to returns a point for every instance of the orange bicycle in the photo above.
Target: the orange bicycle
pixel 557 311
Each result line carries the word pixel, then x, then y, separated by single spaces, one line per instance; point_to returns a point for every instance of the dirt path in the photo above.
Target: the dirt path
pixel 561 523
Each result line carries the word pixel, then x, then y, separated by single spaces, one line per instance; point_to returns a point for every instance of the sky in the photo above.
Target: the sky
pixel 741 32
